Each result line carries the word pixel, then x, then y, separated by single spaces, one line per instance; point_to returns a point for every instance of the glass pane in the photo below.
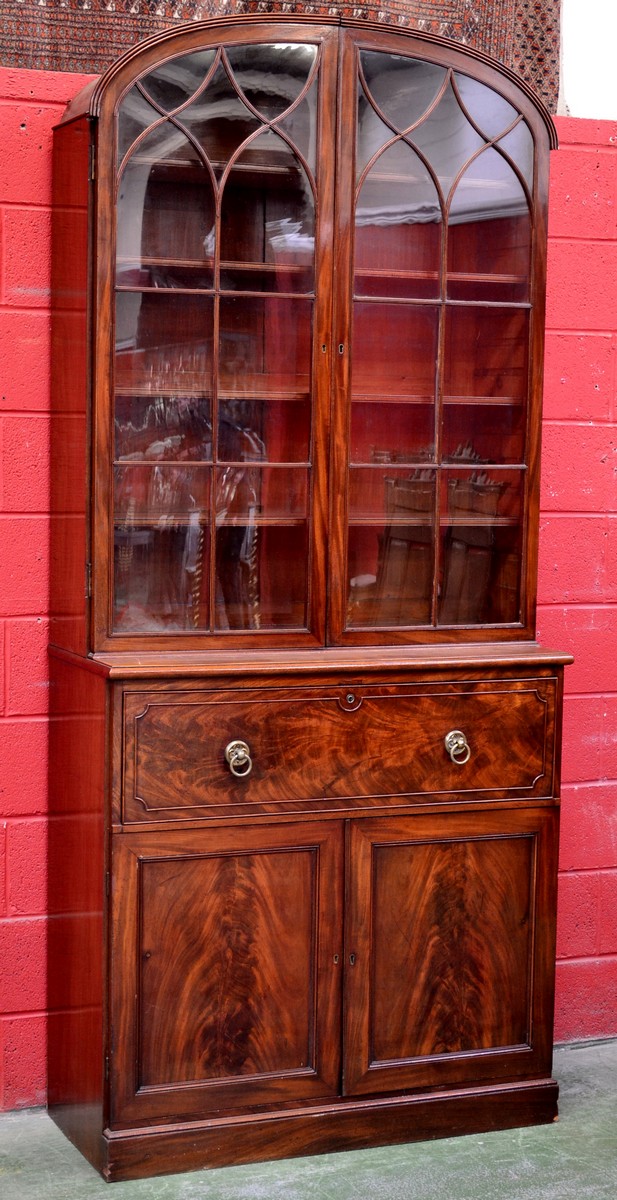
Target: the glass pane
pixel 278 431
pixel 398 228
pixel 486 353
pixel 160 491
pixel 519 146
pixel 489 235
pixel 402 89
pixel 447 139
pixel 213 440
pixel 378 491
pixel 161 542
pixel 165 216
pixel 486 433
pixel 300 125
pixel 394 351
pixel 175 81
pixel 391 548
pixel 265 348
pixel 490 111
pixel 163 428
pixel 272 77
pixel 219 120
pixel 488 190
pixel 481 547
pixel 134 117
pixel 386 432
pixel 163 343
pixel 261 573
pixel 248 491
pixel 273 250
pixel 490 259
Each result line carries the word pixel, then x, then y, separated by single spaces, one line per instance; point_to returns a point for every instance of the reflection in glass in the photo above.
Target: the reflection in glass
pixel 244 493
pixel 219 120
pixel 172 83
pixel 402 89
pixel 481 547
pixel 156 215
pixel 518 145
pixel 135 116
pixel 492 113
pixel 398 228
pixel 276 432
pixel 161 546
pixel 267 178
pixel 271 77
pixel 163 428
pixel 489 237
pixel 447 139
pixel 383 431
pixel 391 548
pixel 163 343
pixel 261 574
pixel 476 433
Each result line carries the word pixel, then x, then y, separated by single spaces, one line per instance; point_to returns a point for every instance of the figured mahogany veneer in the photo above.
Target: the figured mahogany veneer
pixel 298 341
pixel 310 748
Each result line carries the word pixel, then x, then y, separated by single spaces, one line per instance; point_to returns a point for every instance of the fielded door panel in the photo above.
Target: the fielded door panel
pixel 225 982
pixel 449 965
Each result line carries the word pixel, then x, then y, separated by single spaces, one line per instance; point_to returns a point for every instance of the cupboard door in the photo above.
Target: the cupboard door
pixel 449 950
pixel 225 982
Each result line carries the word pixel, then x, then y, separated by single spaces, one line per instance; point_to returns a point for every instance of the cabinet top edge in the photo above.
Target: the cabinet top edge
pixel 87 103
pixel 266 662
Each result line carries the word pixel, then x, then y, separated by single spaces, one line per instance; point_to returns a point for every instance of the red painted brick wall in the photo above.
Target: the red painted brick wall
pixel 30 103
pixel 578 561
pixel 578 582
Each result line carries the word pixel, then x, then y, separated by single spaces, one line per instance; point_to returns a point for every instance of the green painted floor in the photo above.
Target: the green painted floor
pixel 574 1159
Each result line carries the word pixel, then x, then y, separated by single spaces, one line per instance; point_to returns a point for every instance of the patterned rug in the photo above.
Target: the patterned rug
pixel 87 35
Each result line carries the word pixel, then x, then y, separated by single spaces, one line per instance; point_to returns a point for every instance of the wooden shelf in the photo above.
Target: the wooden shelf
pixel 194 166
pixel 425 520
pixel 382 397
pixel 201 264
pixel 248 464
pixel 254 387
pixel 164 521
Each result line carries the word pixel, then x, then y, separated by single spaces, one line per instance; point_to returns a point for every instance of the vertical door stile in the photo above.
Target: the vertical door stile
pixel 323 358
pixel 340 339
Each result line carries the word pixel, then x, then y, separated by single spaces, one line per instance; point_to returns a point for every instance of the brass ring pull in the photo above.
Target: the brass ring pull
pixel 457 746
pixel 239 758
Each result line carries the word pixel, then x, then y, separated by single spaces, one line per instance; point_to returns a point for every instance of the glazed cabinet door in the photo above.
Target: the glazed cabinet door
pixel 437 397
pixel 449 950
pixel 225 975
pixel 222 300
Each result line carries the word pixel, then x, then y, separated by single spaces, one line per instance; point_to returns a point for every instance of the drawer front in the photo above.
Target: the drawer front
pixel 334 748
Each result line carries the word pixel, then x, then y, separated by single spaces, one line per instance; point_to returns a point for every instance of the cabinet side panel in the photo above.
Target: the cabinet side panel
pixel 75 984
pixel 69 383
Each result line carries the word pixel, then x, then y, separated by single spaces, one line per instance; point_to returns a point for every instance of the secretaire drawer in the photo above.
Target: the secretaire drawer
pixel 311 749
